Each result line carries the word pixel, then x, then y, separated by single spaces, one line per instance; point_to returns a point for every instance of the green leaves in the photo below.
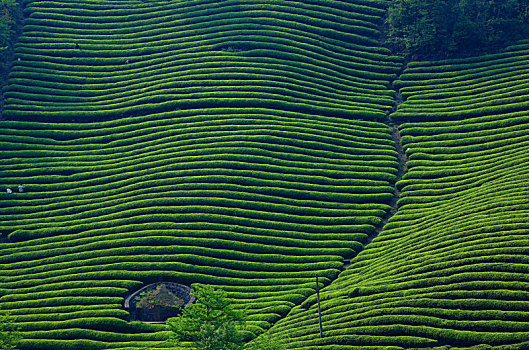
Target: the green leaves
pixel 211 322
pixel 9 336
pixel 8 14
pixel 455 28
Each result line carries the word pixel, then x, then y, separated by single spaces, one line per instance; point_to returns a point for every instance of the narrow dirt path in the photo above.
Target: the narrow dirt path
pixel 402 169
pixel 402 159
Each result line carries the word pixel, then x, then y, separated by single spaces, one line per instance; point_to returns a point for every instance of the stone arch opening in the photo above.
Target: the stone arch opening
pixel 157 302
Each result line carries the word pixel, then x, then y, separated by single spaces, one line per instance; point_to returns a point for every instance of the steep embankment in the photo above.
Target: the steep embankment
pixel 197 141
pixel 451 267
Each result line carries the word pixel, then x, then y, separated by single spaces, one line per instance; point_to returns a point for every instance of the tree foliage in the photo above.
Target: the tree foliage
pixel 434 29
pixel 211 322
pixel 8 18
pixel 9 336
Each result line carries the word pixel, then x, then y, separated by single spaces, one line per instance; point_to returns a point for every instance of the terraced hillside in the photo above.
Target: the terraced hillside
pixel 451 267
pixel 234 143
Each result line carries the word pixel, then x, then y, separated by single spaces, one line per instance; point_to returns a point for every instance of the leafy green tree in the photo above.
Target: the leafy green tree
pixel 490 24
pixel 436 29
pixel 8 18
pixel 418 28
pixel 9 336
pixel 211 322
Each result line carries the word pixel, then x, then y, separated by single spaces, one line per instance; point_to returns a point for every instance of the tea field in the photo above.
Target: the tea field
pixel 239 144
pixel 253 145
pixel 450 268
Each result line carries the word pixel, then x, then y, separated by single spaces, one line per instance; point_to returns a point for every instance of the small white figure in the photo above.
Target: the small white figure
pixel 9 190
pixel 20 188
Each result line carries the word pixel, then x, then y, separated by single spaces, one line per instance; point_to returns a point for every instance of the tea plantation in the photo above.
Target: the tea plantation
pixel 251 145
pixel 451 267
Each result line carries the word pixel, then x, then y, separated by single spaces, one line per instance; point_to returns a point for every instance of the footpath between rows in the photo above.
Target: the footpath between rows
pixel 402 169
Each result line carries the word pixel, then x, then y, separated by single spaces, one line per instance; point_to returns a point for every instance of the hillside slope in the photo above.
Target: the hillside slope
pixel 451 267
pixel 234 143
